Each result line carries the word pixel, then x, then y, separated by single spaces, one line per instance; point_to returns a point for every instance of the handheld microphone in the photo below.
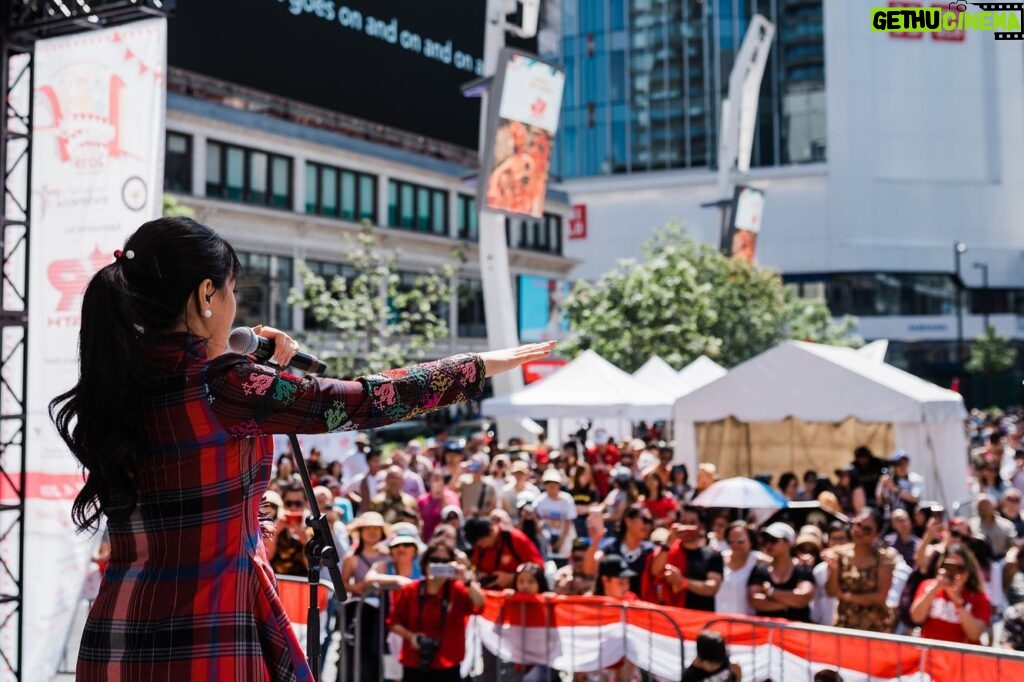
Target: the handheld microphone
pixel 245 341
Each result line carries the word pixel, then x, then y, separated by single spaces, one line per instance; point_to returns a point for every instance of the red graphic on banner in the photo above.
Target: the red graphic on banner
pixel 70 276
pixel 578 222
pixel 954 36
pixel 538 369
pixel 538 107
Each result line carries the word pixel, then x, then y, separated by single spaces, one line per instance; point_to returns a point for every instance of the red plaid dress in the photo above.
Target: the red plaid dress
pixel 188 593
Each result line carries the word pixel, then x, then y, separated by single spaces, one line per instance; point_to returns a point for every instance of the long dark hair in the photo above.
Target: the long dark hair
pixel 143 293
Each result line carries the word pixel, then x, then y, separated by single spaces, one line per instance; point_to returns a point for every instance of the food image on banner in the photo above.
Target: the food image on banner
pixel 97 174
pixel 748 207
pixel 521 131
pixel 542 309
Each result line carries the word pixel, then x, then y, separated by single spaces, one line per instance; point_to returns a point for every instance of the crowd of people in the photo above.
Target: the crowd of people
pixel 617 519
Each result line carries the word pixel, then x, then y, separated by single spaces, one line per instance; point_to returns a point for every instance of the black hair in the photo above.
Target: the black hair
pixel 711 647
pixel 145 292
pixel 432 548
pixel 537 571
pixel 785 479
pixel 476 529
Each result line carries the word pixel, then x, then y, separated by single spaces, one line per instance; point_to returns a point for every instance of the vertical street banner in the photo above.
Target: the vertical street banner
pixel 97 171
pixel 522 123
pixel 747 210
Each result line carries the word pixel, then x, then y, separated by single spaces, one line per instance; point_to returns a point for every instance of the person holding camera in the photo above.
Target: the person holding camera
pixel 430 616
pixel 953 606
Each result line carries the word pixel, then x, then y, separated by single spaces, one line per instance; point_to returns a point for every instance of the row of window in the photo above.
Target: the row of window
pixel 255 177
pixel 902 293
pixel 266 280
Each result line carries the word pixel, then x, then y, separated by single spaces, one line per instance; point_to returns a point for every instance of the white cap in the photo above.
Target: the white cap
pixel 781 531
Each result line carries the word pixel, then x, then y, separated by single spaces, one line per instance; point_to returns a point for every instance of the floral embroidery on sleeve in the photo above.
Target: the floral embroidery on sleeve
pixel 245 429
pixel 257 384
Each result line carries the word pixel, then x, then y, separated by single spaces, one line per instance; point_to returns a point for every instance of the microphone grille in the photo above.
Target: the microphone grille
pixel 243 340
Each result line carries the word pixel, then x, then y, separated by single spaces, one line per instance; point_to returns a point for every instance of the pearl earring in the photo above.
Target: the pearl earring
pixel 207 313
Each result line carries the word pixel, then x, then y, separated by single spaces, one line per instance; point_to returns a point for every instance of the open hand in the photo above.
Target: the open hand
pixel 498 361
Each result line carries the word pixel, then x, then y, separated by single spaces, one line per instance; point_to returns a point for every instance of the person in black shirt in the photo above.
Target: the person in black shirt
pixel 712 662
pixel 702 567
pixel 782 588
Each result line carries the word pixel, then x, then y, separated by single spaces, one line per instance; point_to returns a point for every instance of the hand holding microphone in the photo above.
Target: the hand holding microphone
pixel 266 343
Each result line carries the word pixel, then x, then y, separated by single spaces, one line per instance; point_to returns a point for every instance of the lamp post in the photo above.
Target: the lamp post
pixel 984 292
pixel 959 249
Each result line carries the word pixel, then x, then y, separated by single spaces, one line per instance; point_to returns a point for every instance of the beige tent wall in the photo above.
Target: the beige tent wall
pixel 745 449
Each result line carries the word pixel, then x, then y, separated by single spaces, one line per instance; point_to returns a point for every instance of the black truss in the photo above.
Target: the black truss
pixel 22 23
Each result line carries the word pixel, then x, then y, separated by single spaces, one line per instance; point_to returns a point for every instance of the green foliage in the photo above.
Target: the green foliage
pixel 174 209
pixel 685 299
pixel 991 353
pixel 378 322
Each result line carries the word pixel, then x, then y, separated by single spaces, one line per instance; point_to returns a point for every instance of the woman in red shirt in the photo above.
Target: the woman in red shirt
pixel 658 500
pixel 430 616
pixel 953 607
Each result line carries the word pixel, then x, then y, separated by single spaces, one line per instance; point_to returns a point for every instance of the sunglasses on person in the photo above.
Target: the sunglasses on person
pixel 954 569
pixel 767 540
pixel 294 504
pixel 864 526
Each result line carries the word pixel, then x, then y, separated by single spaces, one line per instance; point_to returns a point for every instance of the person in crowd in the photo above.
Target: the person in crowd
pixel 953 606
pixel 996 453
pixel 712 662
pixel 658 500
pixel 626 465
pixel 401 566
pixel 496 552
pixel 631 543
pixel 602 458
pixel 665 452
pixel 450 537
pixel 680 484
pixel 325 503
pixel 1009 509
pixel 902 538
pixel 1016 475
pixel 531 526
pixel 838 533
pixel 477 492
pixel 789 485
pixel 368 532
pixel 860 575
pixel 1000 533
pixel 571 578
pixel 519 484
pixel 698 567
pixel 412 482
pixel 808 492
pixel 622 497
pixel 393 503
pixel 1012 636
pixel 584 496
pixel 556 510
pixel 453 454
pixel 849 491
pixel 430 615
pixel 738 562
pixel 900 488
pixel 781 588
pixel 716 535
pixel 433 502
pixel 499 471
pixel 707 474
pixel 365 486
pixel 989 481
pixel 867 469
pixel 285 472
pixel 288 558
pixel 615 579
pixel 452 516
pixel 530 580
pixel 810 542
pixel 271 515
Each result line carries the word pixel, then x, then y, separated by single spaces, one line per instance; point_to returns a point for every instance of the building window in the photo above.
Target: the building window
pixel 472 320
pixel 329 271
pixel 178 163
pixel 535 235
pixel 262 290
pixel 341 193
pixel 417 208
pixel 248 175
pixel 880 293
pixel 466 218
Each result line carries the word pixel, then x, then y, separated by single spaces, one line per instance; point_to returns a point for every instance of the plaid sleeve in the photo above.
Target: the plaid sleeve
pixel 250 399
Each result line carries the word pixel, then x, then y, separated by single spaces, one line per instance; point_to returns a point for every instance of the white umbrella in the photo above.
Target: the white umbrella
pixel 740 493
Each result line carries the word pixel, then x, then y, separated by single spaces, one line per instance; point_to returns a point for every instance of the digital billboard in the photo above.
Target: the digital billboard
pixel 393 62
pixel 542 309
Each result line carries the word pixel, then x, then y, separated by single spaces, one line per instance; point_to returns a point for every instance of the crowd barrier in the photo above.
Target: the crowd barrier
pixel 588 638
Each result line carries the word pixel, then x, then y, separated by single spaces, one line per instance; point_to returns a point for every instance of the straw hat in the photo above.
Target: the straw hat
pixel 370 520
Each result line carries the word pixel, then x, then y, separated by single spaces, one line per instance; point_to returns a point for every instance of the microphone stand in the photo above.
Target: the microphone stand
pixel 320 550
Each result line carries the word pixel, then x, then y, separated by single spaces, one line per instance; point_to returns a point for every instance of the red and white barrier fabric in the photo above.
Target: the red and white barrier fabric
pixel 587 634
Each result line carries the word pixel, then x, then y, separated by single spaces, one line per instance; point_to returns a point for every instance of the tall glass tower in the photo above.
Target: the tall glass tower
pixel 646 78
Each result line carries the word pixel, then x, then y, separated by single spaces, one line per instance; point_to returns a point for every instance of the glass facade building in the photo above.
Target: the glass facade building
pixel 645 79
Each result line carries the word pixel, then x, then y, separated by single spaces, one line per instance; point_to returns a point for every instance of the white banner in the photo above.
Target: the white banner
pixel 97 174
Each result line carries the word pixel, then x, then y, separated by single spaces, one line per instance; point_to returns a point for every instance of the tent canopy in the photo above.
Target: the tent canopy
pixel 659 375
pixel 803 404
pixel 589 386
pixel 700 372
pixel 821 384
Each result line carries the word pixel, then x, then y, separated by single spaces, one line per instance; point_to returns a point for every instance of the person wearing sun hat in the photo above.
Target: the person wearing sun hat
pixel 556 511
pixel 520 483
pixel 401 567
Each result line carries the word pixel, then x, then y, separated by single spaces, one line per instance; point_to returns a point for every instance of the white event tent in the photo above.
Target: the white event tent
pixel 807 406
pixel 659 375
pixel 701 371
pixel 589 386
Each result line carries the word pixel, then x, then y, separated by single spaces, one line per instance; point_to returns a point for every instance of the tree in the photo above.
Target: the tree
pixel 991 354
pixel 685 299
pixel 380 321
pixel 174 209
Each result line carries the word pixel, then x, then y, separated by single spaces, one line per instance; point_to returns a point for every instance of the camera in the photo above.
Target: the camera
pixel 428 649
pixel 442 571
